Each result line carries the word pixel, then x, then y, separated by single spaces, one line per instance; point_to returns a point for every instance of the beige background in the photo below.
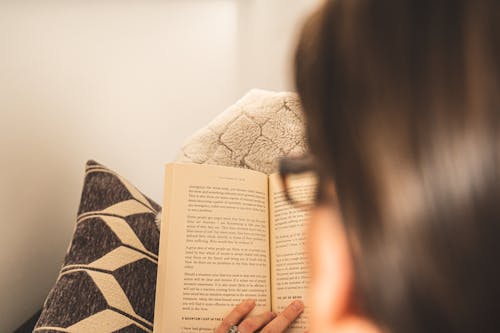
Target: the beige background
pixel 122 82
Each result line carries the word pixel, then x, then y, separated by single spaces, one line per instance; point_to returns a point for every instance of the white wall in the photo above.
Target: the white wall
pixel 122 82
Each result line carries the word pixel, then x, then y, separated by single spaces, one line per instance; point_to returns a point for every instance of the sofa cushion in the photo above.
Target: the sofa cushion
pixel 108 279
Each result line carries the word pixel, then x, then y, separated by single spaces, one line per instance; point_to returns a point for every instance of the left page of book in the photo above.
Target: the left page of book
pixel 214 246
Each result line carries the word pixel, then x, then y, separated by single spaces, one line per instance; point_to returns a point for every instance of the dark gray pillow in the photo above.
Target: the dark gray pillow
pixel 108 279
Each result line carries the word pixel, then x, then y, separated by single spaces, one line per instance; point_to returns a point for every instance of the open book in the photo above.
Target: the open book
pixel 227 234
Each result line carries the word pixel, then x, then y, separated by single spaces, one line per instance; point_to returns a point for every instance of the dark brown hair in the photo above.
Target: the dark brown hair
pixel 402 105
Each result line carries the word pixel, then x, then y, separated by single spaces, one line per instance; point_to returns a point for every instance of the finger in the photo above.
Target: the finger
pixel 285 318
pixel 235 316
pixel 251 324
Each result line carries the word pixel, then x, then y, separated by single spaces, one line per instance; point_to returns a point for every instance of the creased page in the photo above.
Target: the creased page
pixel 217 249
pixel 289 269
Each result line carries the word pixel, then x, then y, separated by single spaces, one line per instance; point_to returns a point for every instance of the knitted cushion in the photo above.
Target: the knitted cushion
pixel 253 133
pixel 108 280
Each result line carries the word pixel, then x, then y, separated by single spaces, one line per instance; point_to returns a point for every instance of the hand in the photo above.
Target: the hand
pixel 268 321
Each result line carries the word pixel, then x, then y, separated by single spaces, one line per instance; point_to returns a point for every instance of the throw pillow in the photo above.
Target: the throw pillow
pixel 108 280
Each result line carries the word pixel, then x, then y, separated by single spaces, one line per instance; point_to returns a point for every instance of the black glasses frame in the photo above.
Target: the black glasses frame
pixel 298 165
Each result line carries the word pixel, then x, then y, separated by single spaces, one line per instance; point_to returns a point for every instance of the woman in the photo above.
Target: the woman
pixel 402 103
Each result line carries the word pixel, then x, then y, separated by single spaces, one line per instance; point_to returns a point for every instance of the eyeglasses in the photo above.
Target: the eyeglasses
pixel 303 184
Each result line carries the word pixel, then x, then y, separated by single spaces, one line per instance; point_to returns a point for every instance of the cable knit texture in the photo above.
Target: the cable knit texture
pixel 253 133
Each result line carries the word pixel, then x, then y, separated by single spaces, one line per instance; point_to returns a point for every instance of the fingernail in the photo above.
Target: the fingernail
pixel 298 305
pixel 249 302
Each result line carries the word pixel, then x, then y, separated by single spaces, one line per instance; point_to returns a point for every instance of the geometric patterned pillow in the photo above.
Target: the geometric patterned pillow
pixel 108 280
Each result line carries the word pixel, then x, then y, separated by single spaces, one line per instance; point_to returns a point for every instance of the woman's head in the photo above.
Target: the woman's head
pixel 402 105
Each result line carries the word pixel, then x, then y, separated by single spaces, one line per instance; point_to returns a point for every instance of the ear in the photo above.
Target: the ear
pixel 331 276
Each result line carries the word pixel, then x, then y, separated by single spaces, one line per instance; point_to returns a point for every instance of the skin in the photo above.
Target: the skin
pixel 330 287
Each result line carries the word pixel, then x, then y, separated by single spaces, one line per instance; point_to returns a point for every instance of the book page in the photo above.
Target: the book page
pixel 289 268
pixel 214 246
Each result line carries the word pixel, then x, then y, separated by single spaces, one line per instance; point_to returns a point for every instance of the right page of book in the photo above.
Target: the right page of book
pixel 289 268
